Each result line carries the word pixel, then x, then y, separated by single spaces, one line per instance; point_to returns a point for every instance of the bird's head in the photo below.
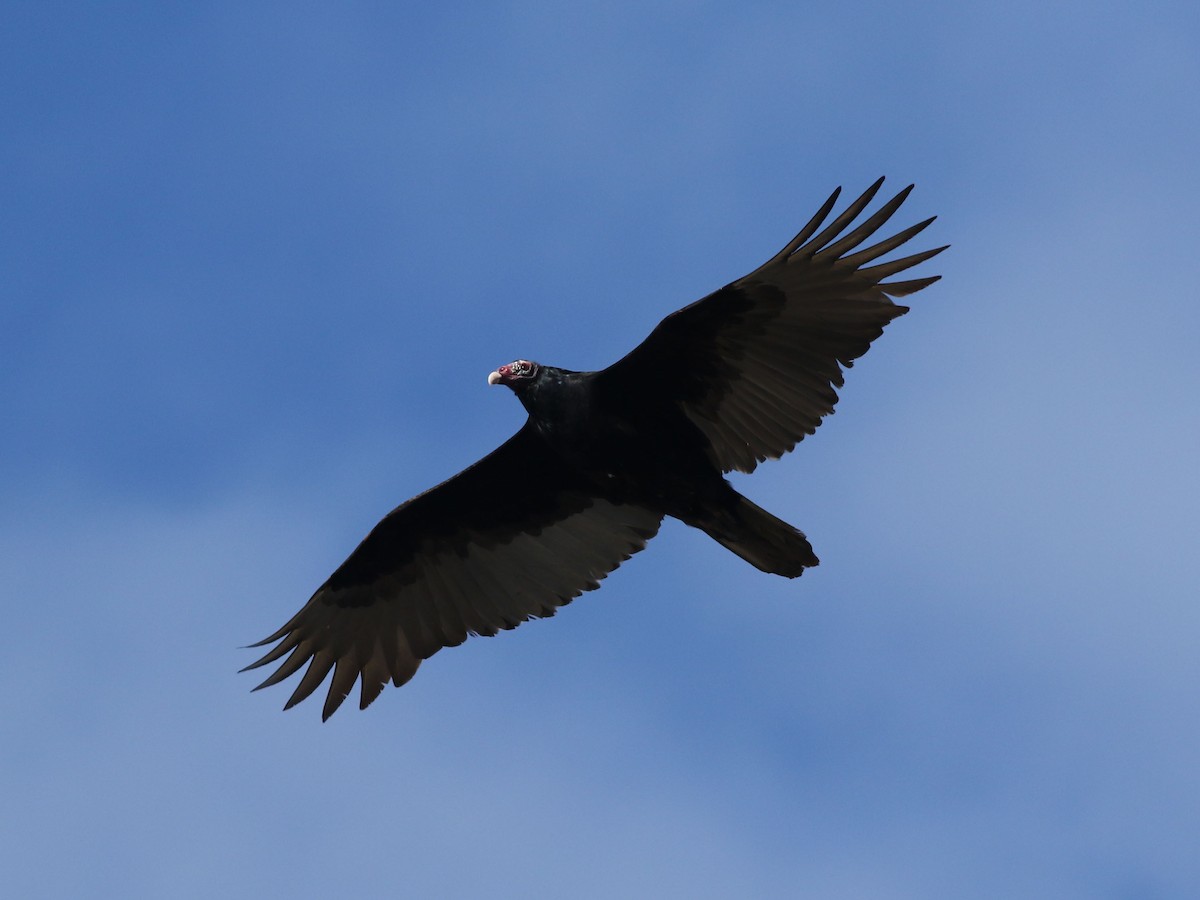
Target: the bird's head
pixel 515 375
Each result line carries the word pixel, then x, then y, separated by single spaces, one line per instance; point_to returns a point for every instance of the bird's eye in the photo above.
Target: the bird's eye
pixel 520 367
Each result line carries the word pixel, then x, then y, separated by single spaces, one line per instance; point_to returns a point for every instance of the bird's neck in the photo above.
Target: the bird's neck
pixel 558 404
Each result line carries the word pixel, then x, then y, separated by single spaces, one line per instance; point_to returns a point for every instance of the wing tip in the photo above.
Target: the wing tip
pixel 904 288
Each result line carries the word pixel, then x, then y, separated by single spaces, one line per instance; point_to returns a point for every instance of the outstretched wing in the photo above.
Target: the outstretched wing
pixel 756 365
pixel 511 538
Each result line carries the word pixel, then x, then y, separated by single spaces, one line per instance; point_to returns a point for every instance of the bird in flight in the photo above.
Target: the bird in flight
pixel 731 380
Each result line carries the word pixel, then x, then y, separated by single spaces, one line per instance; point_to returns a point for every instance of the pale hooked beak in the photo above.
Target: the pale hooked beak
pixel 494 378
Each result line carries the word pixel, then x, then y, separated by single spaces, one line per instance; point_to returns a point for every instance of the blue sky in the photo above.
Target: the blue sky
pixel 257 262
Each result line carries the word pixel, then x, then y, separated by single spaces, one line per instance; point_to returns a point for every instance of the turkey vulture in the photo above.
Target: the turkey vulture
pixel 725 383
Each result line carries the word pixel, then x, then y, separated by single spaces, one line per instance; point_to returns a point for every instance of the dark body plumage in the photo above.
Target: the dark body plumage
pixel 731 380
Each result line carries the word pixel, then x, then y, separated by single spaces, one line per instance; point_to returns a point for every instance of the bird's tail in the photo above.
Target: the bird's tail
pixel 761 539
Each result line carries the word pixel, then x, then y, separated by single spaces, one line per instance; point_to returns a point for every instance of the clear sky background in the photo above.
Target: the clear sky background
pixel 256 261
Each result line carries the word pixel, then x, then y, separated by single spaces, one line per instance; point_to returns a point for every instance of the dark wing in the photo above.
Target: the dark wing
pixel 511 538
pixel 755 365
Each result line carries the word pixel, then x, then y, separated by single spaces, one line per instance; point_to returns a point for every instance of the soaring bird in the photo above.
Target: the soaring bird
pixel 731 380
